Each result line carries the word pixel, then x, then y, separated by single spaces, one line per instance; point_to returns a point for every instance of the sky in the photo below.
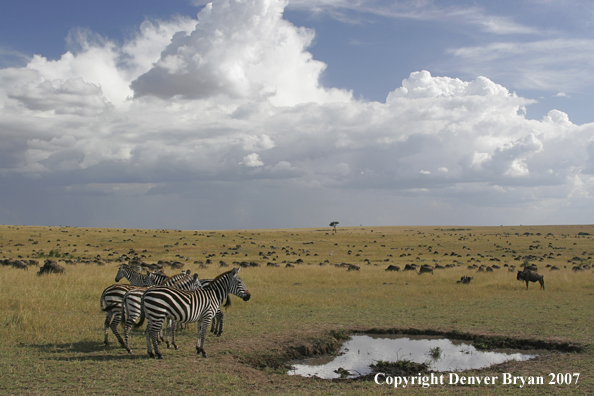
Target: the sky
pixel 253 114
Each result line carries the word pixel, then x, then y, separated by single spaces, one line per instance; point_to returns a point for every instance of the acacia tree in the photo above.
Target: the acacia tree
pixel 334 224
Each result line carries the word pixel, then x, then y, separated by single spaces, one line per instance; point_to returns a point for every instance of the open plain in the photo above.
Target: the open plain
pixel 305 301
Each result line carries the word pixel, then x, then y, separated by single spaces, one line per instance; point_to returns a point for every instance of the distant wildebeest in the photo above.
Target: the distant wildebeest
pixel 410 267
pixel 531 268
pixel 19 264
pixel 464 280
pixel 554 268
pixel 49 267
pixel 425 268
pixel 393 268
pixel 353 267
pixel 529 276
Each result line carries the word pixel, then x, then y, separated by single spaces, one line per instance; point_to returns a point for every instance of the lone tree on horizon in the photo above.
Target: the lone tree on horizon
pixel 334 224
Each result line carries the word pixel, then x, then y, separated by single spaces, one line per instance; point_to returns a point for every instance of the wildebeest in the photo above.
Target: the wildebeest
pixel 464 280
pixel 425 268
pixel 393 268
pixel 410 267
pixel 529 276
pixel 49 267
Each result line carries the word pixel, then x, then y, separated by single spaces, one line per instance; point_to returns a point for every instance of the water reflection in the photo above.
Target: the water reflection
pixel 363 350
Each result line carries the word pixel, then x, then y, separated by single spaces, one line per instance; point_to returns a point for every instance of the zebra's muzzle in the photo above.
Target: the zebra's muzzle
pixel 247 297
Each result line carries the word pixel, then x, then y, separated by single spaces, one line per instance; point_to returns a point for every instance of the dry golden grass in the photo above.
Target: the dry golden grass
pixel 51 325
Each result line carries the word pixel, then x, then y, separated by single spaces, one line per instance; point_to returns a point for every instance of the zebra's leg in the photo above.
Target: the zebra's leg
pixel 202 329
pixel 117 317
pixel 218 321
pixel 127 328
pixel 149 328
pixel 173 326
pixel 152 333
pixel 106 326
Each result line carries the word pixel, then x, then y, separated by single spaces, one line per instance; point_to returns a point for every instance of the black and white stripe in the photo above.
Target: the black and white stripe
pixel 131 303
pixel 112 297
pixel 111 304
pixel 217 322
pixel 160 278
pixel 135 278
pixel 201 305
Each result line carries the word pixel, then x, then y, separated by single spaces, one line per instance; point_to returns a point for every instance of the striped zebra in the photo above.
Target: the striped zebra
pixel 201 305
pixel 135 278
pixel 112 296
pixel 131 304
pixel 160 278
pixel 111 304
pixel 217 322
pixel 155 278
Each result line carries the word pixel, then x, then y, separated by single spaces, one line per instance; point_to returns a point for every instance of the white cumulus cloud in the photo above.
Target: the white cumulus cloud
pixel 228 109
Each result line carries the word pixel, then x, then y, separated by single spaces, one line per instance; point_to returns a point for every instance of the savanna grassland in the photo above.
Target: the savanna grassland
pixel 51 326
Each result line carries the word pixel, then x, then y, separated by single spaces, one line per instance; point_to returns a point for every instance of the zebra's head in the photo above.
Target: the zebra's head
pixel 237 286
pixel 121 272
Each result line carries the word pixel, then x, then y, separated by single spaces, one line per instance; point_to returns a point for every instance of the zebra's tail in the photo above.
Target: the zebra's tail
pixel 109 307
pixel 140 320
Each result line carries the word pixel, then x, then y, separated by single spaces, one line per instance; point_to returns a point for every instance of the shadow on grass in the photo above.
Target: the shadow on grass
pixel 93 350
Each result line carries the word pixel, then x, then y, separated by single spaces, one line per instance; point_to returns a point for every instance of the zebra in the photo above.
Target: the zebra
pixel 135 278
pixel 217 322
pixel 160 303
pixel 131 308
pixel 111 302
pixel 160 278
pixel 155 278
pixel 112 296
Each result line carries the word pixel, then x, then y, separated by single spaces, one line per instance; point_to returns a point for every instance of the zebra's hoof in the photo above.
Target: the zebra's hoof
pixel 151 355
pixel 159 356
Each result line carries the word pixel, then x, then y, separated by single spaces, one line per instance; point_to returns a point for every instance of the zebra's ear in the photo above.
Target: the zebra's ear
pixel 236 270
pixel 195 277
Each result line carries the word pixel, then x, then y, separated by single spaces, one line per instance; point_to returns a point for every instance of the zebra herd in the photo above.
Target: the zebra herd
pixel 160 299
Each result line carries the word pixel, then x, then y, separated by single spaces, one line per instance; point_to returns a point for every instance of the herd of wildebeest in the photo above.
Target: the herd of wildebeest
pixel 527 273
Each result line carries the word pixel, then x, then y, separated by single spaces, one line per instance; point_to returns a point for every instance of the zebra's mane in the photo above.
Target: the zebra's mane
pixel 222 275
pixel 214 281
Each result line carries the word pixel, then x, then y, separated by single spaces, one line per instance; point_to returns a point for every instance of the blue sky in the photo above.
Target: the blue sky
pixel 267 114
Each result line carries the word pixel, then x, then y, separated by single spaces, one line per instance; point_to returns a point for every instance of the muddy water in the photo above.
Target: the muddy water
pixel 362 350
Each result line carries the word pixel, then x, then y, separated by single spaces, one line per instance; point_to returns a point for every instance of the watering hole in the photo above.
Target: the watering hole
pixel 439 354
